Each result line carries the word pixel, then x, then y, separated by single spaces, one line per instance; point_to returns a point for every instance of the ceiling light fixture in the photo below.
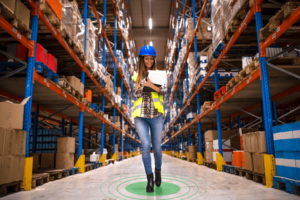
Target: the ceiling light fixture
pixel 151 44
pixel 150 23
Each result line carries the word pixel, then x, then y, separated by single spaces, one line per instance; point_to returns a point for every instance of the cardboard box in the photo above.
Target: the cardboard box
pixel 9 4
pixel 11 168
pixel 21 167
pixel 193 149
pixel 258 163
pixel 36 160
pixel 75 83
pixel 20 143
pixel 13 142
pixel 47 160
pixel 65 145
pixel 22 13
pixel 12 114
pixel 248 161
pixel 261 141
pixel 1 141
pixel 209 146
pixel 6 169
pixel 64 160
pixel 209 156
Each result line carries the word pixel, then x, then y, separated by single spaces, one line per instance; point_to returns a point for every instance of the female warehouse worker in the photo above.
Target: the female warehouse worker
pixel 148 112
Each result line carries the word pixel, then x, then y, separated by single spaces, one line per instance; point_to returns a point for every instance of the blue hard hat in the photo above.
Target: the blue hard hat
pixel 147 50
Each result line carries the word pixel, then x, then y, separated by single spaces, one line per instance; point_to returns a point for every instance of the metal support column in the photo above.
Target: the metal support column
pixel 267 108
pixel 230 124
pixel 198 95
pixel 115 78
pixel 238 122
pixel 218 115
pixel 103 63
pixel 186 76
pixel 81 128
pixel 35 128
pixel 29 80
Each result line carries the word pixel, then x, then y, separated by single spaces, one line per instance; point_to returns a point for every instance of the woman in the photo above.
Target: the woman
pixel 148 112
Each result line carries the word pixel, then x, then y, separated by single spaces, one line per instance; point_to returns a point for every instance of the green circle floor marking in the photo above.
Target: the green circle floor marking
pixel 165 188
pixel 133 186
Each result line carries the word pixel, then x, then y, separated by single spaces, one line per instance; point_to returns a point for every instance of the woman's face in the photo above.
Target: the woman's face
pixel 148 60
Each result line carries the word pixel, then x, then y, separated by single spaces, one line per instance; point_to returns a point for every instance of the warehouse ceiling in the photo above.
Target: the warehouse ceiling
pixel 140 14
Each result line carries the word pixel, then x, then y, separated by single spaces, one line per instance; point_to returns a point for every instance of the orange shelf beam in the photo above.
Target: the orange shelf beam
pixel 16 34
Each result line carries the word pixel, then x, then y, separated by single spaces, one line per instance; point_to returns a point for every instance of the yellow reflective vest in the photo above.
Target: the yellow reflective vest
pixel 158 102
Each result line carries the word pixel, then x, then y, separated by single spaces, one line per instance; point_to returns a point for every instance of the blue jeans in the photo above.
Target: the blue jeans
pixel 155 124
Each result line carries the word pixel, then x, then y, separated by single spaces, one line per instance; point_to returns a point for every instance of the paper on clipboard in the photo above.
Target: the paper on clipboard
pixel 157 77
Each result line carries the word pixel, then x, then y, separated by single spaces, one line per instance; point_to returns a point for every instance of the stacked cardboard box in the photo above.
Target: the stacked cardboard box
pixel 222 14
pixel 193 152
pixel 20 11
pixel 109 84
pixel 47 160
pixel 287 150
pixel 209 152
pixel 254 149
pixel 75 83
pixel 65 153
pixel 211 135
pixel 12 155
pixel 203 32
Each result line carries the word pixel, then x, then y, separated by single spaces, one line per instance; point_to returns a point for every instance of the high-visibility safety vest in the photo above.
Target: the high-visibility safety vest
pixel 158 102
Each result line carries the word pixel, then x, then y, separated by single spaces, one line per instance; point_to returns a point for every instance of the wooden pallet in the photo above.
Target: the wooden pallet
pixel 88 167
pixel 65 85
pixel 10 187
pixel 236 21
pixel 111 161
pixel 256 177
pixel 54 174
pixel 39 179
pixel 16 23
pixel 49 13
pixel 281 15
pixel 239 171
pixel 286 183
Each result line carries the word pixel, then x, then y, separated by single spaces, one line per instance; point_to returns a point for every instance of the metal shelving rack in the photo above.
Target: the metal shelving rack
pixel 44 85
pixel 261 100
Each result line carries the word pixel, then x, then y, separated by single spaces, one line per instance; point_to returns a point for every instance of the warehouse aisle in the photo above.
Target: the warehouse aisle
pixel 126 180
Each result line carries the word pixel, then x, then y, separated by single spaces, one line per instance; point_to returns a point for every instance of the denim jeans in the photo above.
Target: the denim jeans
pixel 155 124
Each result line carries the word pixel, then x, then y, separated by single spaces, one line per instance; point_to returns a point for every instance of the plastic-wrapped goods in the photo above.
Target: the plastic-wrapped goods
pixel 67 16
pixel 246 60
pixel 222 15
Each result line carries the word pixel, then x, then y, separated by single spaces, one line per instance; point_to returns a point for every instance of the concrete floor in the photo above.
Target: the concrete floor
pixel 117 182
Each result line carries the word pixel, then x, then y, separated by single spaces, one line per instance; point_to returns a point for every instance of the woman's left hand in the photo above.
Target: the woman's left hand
pixel 147 83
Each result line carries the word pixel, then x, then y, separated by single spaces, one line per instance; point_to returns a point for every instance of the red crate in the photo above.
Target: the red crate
pixel 218 94
pixel 52 62
pixel 41 54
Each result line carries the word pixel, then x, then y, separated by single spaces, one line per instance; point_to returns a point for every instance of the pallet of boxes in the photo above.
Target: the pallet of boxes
pixel 12 146
pixel 252 158
pixel 203 34
pixel 193 153
pixel 230 138
pixel 55 164
pixel 72 85
pixel 17 15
